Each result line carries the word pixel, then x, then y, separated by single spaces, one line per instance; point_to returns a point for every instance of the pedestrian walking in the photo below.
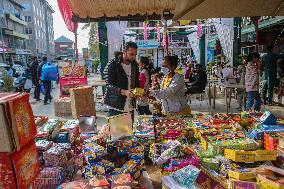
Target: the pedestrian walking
pixel 35 78
pixel 47 72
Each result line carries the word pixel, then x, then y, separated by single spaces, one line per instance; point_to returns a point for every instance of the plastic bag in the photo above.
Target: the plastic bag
pixel 49 72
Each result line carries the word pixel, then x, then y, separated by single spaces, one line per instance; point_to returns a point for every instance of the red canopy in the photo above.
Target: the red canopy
pixel 67 15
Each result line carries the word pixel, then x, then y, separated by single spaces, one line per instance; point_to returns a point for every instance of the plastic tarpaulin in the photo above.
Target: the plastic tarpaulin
pixel 67 15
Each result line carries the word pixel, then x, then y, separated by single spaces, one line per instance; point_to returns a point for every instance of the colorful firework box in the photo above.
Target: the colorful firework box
pixel 19 169
pixel 236 184
pixel 17 124
pixel 210 180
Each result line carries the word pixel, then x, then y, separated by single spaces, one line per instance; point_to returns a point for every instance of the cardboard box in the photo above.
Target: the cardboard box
pixel 19 169
pixel 17 124
pixel 250 156
pixel 62 107
pixel 239 155
pixel 82 102
pixel 244 174
pixel 265 155
pixel 265 183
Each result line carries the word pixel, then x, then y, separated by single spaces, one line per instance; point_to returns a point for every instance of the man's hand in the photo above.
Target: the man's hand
pixel 126 93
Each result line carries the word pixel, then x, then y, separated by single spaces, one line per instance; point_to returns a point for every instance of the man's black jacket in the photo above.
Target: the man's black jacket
pixel 116 81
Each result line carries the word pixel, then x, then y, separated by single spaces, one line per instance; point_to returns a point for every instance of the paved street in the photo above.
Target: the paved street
pixel 40 109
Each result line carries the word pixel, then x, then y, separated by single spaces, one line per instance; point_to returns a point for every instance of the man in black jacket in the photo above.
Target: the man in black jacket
pixel 199 83
pixel 123 76
pixel 35 78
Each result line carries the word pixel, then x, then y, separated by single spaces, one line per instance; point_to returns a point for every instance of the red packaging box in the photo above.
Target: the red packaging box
pixel 17 125
pixel 271 140
pixel 19 169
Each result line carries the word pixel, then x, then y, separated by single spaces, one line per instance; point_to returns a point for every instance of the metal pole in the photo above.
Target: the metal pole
pixel 3 50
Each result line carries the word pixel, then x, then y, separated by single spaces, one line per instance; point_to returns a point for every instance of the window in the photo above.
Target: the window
pixel 27 6
pixel 28 30
pixel 28 18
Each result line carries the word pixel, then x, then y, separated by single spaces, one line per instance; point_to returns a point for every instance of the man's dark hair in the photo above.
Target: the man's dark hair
pixel 130 44
pixel 172 60
pixel 44 58
pixel 251 56
pixel 270 48
pixel 34 58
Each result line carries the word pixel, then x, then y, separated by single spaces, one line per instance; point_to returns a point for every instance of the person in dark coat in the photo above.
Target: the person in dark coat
pixel 35 78
pixel 269 65
pixel 199 82
pixel 123 76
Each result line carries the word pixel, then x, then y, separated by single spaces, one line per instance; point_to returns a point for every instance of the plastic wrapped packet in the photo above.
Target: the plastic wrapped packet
pixel 99 182
pixel 121 181
pixel 186 176
pixel 55 156
pixel 172 152
pixel 74 185
pixel 49 176
pixel 43 145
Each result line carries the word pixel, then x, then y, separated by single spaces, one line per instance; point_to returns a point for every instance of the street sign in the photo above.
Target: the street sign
pixel 147 44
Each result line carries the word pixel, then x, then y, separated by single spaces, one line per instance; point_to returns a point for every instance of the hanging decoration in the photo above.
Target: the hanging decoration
pixel 158 33
pixel 194 43
pixel 225 31
pixel 145 30
pixel 115 32
pixel 199 30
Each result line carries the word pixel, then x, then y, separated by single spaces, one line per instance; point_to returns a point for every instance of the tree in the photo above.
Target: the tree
pixel 94 50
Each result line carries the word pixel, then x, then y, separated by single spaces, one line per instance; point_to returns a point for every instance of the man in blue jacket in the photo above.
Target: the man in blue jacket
pixel 46 84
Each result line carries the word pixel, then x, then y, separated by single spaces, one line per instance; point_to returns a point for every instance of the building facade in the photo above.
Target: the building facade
pixel 13 46
pixel 64 47
pixel 39 18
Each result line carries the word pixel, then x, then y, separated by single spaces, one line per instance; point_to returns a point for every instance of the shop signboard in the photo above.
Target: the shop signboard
pixel 70 82
pixel 71 77
pixel 85 53
pixel 22 51
pixel 147 44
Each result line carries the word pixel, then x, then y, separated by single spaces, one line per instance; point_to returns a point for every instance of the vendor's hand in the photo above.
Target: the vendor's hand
pixel 126 93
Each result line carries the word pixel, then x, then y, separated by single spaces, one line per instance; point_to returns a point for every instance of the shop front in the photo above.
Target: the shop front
pixel 23 56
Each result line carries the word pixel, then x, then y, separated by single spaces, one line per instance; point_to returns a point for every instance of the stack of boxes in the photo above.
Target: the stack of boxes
pixel 19 163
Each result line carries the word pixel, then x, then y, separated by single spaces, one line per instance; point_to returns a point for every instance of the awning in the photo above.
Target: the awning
pixel 198 9
pixel 95 10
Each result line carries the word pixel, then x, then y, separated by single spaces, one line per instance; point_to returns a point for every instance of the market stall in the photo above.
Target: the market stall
pixel 199 151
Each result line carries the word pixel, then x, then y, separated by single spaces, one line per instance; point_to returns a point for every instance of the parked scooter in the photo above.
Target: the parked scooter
pixel 22 82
